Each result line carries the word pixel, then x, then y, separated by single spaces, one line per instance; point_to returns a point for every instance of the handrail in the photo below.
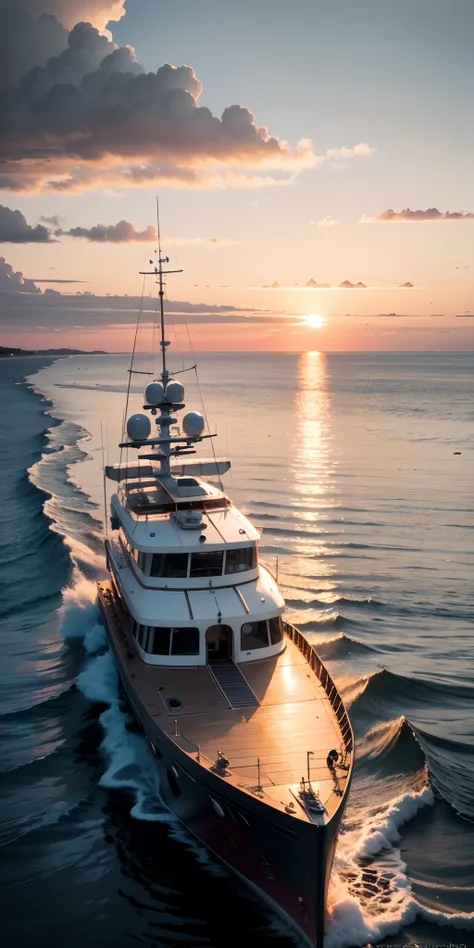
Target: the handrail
pixel 178 733
pixel 324 677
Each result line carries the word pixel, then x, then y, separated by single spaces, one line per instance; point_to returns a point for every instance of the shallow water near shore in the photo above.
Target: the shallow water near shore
pixel 349 465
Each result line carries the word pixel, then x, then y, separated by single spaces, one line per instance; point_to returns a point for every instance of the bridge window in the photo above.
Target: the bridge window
pixel 254 635
pixel 206 564
pixel 275 627
pixel 161 640
pixel 236 561
pixel 185 642
pixel 169 565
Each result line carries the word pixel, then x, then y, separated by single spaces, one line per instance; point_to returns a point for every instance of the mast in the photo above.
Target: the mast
pixel 168 398
pixel 160 273
pixel 161 261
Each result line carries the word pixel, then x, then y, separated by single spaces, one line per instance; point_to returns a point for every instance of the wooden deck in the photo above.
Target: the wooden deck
pixel 294 716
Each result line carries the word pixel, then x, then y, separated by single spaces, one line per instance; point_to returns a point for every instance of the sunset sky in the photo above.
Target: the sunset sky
pixel 330 141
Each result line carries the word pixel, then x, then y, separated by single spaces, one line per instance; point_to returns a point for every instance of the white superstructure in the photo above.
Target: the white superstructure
pixel 183 558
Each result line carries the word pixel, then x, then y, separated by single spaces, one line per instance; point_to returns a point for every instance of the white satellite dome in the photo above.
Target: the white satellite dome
pixel 193 424
pixel 154 393
pixel 174 392
pixel 138 427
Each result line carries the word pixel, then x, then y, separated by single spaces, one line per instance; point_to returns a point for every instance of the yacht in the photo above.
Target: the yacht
pixel 251 738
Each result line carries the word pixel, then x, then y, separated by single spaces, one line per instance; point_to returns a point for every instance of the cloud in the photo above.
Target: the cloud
pixel 11 282
pixel 24 308
pixel 69 12
pixel 49 280
pixel 29 37
pixel 362 150
pixel 34 31
pixel 55 221
pixel 94 106
pixel 122 233
pixel 14 229
pixel 327 222
pixel 89 115
pixel 408 216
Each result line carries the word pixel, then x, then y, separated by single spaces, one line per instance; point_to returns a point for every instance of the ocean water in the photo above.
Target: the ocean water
pixel 359 470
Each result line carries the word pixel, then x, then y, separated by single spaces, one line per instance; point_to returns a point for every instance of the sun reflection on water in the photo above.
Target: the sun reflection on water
pixel 312 461
pixel 313 469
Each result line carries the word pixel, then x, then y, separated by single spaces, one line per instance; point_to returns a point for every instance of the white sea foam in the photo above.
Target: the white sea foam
pixel 356 920
pixel 444 919
pixel 95 639
pixel 79 611
pixel 130 762
pixel 352 926
pixel 382 830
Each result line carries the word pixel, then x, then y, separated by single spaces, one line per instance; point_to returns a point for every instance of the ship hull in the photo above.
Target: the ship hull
pixel 286 861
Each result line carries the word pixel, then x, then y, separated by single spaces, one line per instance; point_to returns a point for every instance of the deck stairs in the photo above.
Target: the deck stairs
pixel 232 683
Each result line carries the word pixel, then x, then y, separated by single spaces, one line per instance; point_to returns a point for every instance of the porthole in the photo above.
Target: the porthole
pixel 154 749
pixel 172 775
pixel 217 807
pixel 174 704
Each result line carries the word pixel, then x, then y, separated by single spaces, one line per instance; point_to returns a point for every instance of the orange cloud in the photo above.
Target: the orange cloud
pixel 408 216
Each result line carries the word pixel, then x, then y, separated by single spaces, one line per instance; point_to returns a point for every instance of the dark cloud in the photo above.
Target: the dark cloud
pixel 55 221
pixel 122 233
pixel 14 283
pixel 28 38
pixel 34 31
pixel 54 311
pixel 92 108
pixel 14 229
pixel 49 280
pixel 431 214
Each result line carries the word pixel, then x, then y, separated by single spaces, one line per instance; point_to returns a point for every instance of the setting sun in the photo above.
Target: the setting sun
pixel 314 321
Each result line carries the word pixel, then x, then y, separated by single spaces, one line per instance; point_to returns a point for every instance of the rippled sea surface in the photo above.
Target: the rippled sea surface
pixel 359 470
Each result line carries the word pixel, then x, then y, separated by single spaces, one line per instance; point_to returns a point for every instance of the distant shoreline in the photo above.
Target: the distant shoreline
pixel 9 353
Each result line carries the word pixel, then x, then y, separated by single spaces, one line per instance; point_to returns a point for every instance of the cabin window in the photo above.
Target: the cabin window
pixel 236 561
pixel 206 564
pixel 185 642
pixel 161 641
pixel 169 565
pixel 142 634
pixel 254 635
pixel 275 627
pixel 139 558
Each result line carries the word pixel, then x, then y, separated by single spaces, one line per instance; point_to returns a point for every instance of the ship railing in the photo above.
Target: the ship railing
pixel 178 733
pixel 212 763
pixel 326 681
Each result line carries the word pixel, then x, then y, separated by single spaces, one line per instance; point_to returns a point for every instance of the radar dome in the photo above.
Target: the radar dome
pixel 193 424
pixel 138 427
pixel 174 392
pixel 154 393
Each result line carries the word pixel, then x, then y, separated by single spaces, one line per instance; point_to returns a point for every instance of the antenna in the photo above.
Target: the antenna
pixel 158 225
pixel 160 273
